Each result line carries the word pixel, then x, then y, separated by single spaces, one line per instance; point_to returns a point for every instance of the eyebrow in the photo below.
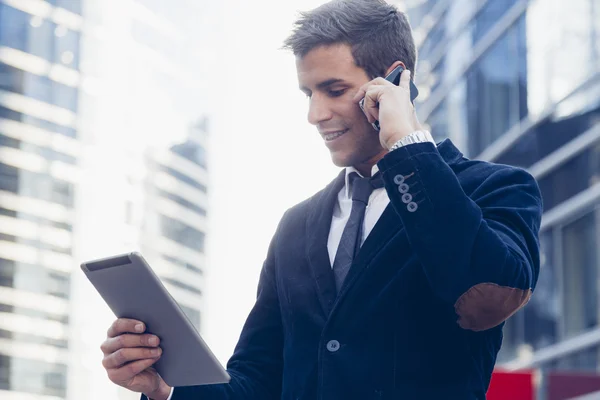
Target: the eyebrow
pixel 324 84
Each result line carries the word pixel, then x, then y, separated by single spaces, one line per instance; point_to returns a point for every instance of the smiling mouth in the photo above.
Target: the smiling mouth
pixel 334 135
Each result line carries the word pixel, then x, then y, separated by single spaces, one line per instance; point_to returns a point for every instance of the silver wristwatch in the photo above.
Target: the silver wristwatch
pixel 415 137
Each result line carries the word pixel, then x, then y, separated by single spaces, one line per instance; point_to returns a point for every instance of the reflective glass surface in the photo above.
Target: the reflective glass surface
pixel 32 376
pixel 580 265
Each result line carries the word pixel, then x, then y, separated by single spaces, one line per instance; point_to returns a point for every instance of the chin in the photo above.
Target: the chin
pixel 342 160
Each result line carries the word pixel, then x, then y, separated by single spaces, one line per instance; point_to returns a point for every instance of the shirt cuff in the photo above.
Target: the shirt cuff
pixel 171 395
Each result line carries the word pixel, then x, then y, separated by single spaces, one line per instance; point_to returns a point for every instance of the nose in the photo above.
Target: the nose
pixel 318 110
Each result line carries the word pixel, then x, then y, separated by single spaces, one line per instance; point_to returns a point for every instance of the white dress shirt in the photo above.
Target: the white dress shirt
pixel 378 201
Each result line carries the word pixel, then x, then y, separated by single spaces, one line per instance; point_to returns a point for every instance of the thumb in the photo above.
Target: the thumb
pixel 405 79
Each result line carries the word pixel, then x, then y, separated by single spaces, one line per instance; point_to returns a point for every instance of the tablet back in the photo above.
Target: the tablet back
pixel 132 290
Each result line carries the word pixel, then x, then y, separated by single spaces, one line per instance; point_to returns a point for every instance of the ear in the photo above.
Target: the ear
pixel 394 65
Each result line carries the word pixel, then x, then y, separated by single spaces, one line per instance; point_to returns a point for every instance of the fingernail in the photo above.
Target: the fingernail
pixel 153 341
pixel 155 352
pixel 139 328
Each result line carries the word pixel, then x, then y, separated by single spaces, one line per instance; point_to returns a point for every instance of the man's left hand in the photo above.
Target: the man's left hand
pixel 391 105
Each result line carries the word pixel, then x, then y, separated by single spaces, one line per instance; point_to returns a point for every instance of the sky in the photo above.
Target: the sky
pixel 264 158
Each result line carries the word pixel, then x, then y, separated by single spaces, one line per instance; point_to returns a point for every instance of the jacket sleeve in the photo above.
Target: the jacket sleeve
pixel 480 252
pixel 256 365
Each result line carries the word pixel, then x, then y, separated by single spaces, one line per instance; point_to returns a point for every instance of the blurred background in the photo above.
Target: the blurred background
pixel 176 128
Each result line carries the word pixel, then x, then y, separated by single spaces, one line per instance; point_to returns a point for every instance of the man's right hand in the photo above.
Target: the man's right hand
pixel 128 358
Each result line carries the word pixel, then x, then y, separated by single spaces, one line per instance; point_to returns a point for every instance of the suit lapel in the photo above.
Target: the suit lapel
pixel 318 224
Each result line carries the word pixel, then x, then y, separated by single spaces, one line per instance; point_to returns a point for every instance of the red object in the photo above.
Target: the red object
pixel 511 386
pixel 566 385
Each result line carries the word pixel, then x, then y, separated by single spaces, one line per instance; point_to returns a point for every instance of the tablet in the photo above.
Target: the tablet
pixel 132 290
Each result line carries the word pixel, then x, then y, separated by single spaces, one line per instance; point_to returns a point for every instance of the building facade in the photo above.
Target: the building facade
pixel 518 82
pixel 103 150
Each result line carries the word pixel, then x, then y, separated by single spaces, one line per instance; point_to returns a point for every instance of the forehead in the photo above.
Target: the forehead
pixel 328 62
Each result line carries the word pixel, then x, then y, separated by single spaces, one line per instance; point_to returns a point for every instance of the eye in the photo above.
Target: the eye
pixel 336 93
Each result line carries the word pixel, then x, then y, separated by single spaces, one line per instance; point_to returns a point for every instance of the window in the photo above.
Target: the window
pixel 182 233
pixel 580 264
pixel 36 219
pixel 513 337
pixel 546 137
pixel 183 202
pixel 47 125
pixel 39 186
pixel 11 79
pixel 34 278
pixel 36 185
pixel 543 312
pixel 191 151
pixel 13 27
pixel 585 360
pixel 438 121
pixel 184 178
pixel 64 96
pixel 39 123
pixel 572 177
pixel 32 376
pixel 183 286
pixel 183 264
pixel 434 37
pixel 489 16
pixel 9 178
pixel 64 319
pixel 38 87
pixel 66 47
pixel 70 5
pixel 39 36
pixel 497 89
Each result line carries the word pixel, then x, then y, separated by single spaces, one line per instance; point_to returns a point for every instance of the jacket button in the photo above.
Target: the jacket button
pixel 403 188
pixel 399 179
pixel 333 346
pixel 412 207
pixel 407 198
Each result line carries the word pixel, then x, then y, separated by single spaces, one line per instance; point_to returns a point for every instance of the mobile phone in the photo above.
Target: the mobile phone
pixel 394 77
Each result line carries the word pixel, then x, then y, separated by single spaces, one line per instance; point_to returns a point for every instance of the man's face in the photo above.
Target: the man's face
pixel 329 76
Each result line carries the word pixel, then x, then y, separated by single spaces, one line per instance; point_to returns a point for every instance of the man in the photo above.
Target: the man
pixel 448 246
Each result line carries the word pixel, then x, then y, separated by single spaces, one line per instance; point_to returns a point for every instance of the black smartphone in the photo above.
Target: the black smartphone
pixel 394 77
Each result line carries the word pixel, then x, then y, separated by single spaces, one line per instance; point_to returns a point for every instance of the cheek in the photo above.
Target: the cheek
pixel 355 114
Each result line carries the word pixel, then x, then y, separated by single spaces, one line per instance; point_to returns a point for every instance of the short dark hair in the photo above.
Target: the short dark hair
pixel 378 33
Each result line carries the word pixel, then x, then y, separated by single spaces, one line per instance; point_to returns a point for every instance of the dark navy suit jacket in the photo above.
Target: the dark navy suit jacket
pixel 421 311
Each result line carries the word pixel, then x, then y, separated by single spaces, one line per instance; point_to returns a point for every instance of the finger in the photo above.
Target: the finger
pixel 405 80
pixel 127 355
pixel 361 93
pixel 372 103
pixel 127 372
pixel 111 345
pixel 364 88
pixel 125 325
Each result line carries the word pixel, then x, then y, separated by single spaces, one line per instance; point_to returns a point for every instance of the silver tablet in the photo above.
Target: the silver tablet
pixel 132 290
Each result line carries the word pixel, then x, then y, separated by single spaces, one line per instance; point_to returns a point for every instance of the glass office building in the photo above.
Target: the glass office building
pixel 103 141
pixel 518 82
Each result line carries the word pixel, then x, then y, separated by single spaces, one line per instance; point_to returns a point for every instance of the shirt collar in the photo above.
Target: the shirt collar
pixel 349 170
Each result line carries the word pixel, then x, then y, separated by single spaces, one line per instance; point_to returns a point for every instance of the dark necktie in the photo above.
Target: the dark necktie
pixel 351 237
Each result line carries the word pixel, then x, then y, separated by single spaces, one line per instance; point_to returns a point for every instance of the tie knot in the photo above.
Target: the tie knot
pixel 363 187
